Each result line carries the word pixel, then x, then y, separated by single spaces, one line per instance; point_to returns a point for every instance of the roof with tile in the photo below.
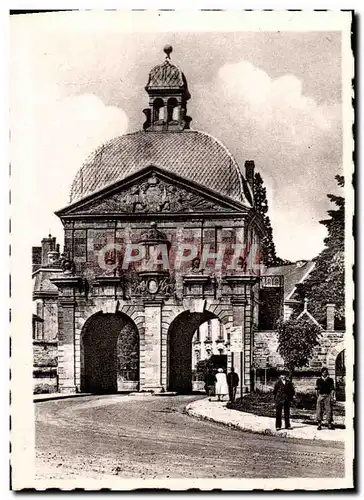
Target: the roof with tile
pixel 293 274
pixel 166 75
pixel 193 155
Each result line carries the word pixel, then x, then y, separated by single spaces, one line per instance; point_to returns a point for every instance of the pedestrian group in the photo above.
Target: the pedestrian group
pixel 223 385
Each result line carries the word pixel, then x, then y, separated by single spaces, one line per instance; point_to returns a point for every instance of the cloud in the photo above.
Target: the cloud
pixel 275 105
pixel 56 135
pixel 295 142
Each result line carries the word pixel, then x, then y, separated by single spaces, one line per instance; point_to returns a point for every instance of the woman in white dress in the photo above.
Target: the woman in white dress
pixel 222 388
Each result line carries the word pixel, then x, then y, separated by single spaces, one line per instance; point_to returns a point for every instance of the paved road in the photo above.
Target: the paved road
pixel 150 437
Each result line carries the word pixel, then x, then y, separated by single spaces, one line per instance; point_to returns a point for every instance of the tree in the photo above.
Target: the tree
pixel 326 283
pixel 297 339
pixel 268 250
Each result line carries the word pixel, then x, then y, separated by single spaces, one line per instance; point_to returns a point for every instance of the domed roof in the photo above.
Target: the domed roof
pixel 190 154
pixel 166 75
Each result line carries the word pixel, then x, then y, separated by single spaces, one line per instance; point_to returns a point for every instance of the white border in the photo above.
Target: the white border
pixel 22 407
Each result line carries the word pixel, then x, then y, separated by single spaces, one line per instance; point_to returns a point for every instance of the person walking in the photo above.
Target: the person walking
pixel 325 391
pixel 210 381
pixel 233 382
pixel 221 388
pixel 284 393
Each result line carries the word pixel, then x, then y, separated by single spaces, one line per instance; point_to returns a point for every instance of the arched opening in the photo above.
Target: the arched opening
pixel 184 352
pixel 209 351
pixel 340 375
pixel 109 354
pixel 158 110
pixel 172 110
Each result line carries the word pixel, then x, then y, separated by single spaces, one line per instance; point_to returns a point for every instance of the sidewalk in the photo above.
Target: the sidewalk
pixel 58 395
pixel 216 411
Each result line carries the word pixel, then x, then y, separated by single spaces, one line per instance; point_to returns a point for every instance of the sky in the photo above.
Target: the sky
pixel 271 96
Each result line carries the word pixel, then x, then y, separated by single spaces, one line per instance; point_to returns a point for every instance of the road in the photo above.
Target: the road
pixel 150 437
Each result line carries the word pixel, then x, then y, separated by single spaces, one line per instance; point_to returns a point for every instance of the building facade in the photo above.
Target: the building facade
pixel 128 323
pixel 160 265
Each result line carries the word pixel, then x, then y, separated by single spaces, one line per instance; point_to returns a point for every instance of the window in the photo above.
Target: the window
pixel 172 110
pixel 158 109
pixel 209 329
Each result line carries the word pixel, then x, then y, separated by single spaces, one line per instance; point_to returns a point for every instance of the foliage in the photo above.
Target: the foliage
pixel 268 250
pixel 262 404
pixel 44 389
pixel 326 283
pixel 297 339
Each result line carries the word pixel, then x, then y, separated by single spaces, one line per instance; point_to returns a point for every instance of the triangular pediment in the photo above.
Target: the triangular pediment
pixel 152 191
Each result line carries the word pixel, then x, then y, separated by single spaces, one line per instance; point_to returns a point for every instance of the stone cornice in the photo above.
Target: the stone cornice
pixel 67 281
pixel 107 281
pixel 45 294
pixel 156 301
pixel 197 279
pixel 241 280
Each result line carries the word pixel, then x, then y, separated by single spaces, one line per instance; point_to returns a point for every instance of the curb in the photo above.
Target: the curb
pixel 57 396
pixel 48 397
pixel 265 432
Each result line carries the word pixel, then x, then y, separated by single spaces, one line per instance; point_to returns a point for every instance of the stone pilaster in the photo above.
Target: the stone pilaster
pixel 66 346
pixel 67 286
pixel 150 366
pixel 237 358
pixel 248 321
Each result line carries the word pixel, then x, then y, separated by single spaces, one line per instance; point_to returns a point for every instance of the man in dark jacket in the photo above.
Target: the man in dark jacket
pixel 233 382
pixel 325 390
pixel 284 393
pixel 210 381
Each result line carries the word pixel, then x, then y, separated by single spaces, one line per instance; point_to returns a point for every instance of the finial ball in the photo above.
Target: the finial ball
pixel 168 49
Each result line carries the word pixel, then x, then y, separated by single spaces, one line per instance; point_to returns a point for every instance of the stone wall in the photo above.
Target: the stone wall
pixel 266 346
pixel 45 366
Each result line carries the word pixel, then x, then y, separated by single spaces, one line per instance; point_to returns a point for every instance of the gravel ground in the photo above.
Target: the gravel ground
pixel 150 437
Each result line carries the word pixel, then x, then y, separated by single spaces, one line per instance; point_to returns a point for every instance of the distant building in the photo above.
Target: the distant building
pixel 46 265
pixel 210 339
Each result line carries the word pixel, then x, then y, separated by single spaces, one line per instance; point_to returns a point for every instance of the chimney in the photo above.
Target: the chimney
pixel 36 258
pixel 330 317
pixel 48 245
pixel 249 172
pixel 53 258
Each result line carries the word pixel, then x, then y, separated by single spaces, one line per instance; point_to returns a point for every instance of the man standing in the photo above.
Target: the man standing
pixel 233 382
pixel 284 393
pixel 325 390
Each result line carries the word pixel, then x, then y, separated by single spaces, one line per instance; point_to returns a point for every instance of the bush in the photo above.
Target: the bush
pixel 44 389
pixel 305 400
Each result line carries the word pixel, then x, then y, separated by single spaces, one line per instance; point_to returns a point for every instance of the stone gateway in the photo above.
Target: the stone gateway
pixel 160 237
pixel 126 325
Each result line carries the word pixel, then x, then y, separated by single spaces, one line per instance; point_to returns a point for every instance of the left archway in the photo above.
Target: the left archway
pixel 109 354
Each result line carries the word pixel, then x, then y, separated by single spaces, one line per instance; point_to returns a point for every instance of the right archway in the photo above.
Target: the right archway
pixel 180 334
pixel 340 376
pixel 335 362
